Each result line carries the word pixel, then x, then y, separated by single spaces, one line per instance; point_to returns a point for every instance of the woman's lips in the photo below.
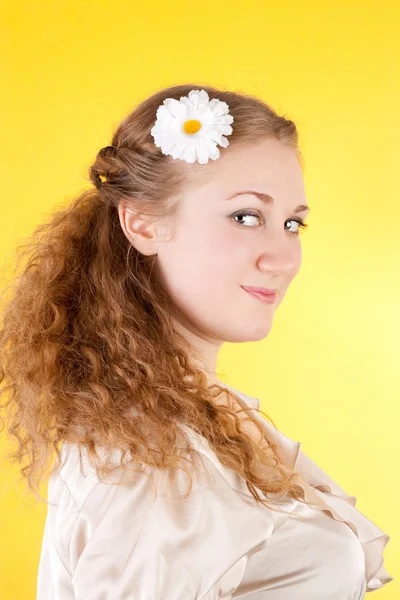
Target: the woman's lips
pixel 261 290
pixel 263 294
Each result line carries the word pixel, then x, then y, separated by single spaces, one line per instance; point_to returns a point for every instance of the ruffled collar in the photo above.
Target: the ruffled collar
pixel 319 489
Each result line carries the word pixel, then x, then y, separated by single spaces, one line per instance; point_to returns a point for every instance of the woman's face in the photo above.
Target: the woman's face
pixel 222 241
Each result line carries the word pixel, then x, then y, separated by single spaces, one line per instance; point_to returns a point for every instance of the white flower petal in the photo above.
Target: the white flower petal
pixel 214 153
pixel 224 142
pixel 168 144
pixel 215 136
pixel 226 129
pixel 183 112
pixel 220 109
pixel 173 106
pixel 177 150
pixel 202 153
pixel 187 104
pixel 223 120
pixel 163 114
pixel 198 96
pixel 213 103
pixel 189 154
pixel 193 98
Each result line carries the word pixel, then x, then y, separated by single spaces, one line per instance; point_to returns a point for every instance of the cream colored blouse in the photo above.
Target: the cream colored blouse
pixel 104 541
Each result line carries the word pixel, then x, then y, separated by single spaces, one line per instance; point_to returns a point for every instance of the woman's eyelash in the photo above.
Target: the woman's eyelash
pixel 302 224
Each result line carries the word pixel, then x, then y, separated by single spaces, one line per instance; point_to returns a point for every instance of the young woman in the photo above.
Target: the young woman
pixel 168 484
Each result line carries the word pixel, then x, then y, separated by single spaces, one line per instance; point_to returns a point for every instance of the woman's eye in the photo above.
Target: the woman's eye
pixel 246 214
pixel 239 215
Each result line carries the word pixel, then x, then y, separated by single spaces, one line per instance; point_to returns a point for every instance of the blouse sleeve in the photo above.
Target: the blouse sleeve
pixel 131 544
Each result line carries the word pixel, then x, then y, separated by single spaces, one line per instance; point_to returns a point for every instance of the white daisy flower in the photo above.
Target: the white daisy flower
pixel 191 128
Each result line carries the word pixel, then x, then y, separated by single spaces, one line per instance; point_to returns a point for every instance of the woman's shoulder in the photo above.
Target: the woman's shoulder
pixel 192 546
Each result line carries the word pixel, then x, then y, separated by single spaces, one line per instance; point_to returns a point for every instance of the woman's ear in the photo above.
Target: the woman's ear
pixel 138 230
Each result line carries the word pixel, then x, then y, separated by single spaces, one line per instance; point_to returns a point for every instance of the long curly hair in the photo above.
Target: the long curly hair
pixel 88 351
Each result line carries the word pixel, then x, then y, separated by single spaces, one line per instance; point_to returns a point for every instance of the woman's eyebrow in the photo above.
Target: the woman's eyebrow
pixel 267 199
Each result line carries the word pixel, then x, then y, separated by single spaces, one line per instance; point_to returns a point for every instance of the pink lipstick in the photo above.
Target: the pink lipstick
pixel 267 296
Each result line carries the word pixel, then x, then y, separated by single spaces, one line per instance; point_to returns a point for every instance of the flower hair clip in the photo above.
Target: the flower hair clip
pixel 191 128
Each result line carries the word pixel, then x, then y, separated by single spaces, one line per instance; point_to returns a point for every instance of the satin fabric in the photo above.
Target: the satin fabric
pixel 104 541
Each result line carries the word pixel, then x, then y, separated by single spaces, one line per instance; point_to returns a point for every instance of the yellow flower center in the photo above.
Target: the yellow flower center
pixel 191 126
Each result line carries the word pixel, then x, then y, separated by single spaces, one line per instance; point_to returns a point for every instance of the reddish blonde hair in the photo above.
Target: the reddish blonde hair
pixel 88 353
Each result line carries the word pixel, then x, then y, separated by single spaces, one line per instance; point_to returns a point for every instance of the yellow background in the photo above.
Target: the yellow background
pixel 328 373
